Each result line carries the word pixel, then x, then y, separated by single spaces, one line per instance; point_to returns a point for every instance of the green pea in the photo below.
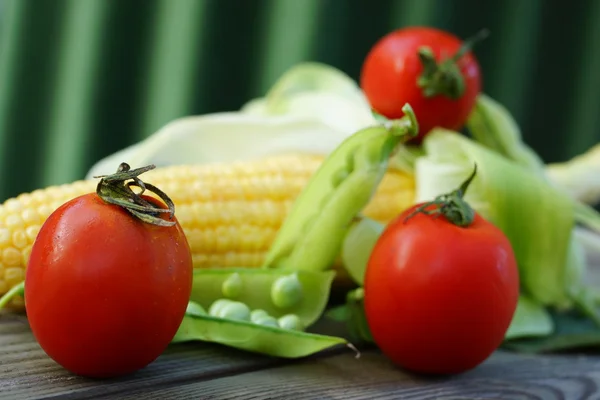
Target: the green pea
pixel 335 204
pixel 232 286
pixel 339 176
pixel 290 321
pixel 258 313
pixel 195 309
pixel 217 306
pixel 257 286
pixel 286 291
pixel 266 320
pixel 244 335
pixel 234 310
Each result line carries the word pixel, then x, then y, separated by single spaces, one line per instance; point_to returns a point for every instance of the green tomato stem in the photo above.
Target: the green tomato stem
pixel 445 78
pixel 451 205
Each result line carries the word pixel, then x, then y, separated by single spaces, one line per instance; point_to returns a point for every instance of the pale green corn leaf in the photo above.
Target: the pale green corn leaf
pixel 225 137
pixel 311 77
pixel 580 175
pixel 359 241
pixel 537 218
pixel 312 108
pixel 493 126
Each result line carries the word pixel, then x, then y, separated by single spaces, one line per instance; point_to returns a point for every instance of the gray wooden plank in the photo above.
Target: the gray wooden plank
pixel 203 370
pixel 503 376
pixel 26 372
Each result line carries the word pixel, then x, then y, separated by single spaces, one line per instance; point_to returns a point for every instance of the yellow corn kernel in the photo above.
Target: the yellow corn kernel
pixel 395 193
pixel 230 212
pixel 19 239
pixel 14 275
pixel 5 237
pixel 25 253
pixel 11 257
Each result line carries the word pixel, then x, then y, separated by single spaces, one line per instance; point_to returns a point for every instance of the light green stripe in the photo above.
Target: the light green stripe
pixel 12 18
pixel 71 115
pixel 514 60
pixel 405 13
pixel 177 47
pixel 582 127
pixel 288 38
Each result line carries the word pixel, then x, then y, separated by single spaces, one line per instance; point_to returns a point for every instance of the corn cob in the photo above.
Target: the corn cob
pixel 229 212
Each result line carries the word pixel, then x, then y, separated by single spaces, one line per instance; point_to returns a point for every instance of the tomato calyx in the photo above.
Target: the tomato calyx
pixel 445 78
pixel 116 189
pixel 451 205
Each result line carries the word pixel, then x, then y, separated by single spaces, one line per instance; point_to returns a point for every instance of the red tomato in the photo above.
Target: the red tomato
pixel 391 70
pixel 439 298
pixel 105 292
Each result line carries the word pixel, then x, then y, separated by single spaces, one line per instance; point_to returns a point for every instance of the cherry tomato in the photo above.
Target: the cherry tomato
pixel 392 69
pixel 106 292
pixel 440 297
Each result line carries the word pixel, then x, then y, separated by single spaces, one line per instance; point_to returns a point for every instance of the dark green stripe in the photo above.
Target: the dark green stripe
pixel 81 79
pixel 553 70
pixel 583 120
pixel 119 98
pixel 515 42
pixel 406 13
pixel 31 69
pixel 12 29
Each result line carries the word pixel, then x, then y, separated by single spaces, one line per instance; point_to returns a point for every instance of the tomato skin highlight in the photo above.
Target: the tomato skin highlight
pixel 105 292
pixel 392 67
pixel 439 298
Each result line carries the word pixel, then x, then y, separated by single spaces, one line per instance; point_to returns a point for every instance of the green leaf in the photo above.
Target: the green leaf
pixel 338 314
pixel 530 320
pixel 352 314
pixel 572 331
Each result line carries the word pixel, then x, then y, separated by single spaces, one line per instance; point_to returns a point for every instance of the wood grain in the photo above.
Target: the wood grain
pixel 26 372
pixel 504 376
pixel 206 371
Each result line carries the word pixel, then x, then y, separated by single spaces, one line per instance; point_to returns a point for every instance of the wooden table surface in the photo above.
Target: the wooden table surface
pixel 208 371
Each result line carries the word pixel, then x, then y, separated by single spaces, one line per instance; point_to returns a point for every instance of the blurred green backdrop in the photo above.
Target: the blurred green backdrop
pixel 80 79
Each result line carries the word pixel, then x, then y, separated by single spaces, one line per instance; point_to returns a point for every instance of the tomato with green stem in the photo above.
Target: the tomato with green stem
pixel 430 69
pixel 441 287
pixel 109 278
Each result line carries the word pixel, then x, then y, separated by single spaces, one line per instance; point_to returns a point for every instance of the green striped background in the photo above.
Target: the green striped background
pixel 80 79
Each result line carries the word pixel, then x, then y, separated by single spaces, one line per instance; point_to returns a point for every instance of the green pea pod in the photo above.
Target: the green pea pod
pixel 253 337
pixel 311 235
pixel 277 292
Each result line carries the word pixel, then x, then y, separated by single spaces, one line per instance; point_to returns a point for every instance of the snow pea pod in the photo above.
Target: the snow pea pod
pixel 278 292
pixel 257 338
pixel 311 235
